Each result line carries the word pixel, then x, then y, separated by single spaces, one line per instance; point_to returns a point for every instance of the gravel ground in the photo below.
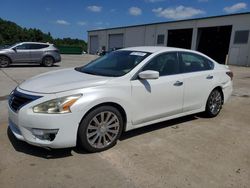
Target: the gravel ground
pixel 186 152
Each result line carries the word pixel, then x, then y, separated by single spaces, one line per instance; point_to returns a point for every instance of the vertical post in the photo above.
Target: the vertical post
pixel 166 38
pixel 226 62
pixel 88 44
pixel 194 39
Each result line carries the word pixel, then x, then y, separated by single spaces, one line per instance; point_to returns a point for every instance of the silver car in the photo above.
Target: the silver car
pixel 30 52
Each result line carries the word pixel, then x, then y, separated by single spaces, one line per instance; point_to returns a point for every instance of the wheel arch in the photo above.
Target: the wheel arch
pixel 5 55
pixel 113 104
pixel 48 55
pixel 221 91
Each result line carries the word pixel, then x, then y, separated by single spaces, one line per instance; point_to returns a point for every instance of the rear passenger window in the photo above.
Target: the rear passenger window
pixel 44 45
pixel 38 46
pixel 193 63
pixel 165 64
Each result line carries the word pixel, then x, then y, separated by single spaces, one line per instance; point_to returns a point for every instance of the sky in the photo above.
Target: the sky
pixel 73 18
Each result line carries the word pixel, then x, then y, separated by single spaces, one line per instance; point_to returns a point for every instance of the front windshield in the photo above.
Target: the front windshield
pixel 114 64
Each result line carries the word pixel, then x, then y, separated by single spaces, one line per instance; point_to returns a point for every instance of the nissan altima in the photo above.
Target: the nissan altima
pixel 123 90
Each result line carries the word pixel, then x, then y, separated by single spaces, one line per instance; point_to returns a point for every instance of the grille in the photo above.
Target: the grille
pixel 17 100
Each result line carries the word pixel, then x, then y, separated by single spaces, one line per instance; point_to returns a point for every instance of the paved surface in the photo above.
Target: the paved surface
pixel 187 152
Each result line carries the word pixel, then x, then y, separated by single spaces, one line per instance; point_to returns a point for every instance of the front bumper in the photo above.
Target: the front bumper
pixel 61 129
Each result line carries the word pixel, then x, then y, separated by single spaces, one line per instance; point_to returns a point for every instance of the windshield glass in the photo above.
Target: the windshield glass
pixel 114 64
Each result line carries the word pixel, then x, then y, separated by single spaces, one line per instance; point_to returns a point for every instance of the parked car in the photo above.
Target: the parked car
pixel 123 90
pixel 30 52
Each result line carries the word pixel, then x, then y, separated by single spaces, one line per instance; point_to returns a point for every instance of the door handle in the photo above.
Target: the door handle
pixel 210 77
pixel 178 83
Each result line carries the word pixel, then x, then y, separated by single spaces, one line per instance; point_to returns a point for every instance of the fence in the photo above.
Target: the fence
pixel 70 49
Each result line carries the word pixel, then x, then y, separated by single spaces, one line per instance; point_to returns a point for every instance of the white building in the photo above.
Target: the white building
pixel 218 37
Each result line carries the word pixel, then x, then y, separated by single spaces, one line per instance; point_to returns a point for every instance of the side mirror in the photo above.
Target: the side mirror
pixel 14 49
pixel 149 74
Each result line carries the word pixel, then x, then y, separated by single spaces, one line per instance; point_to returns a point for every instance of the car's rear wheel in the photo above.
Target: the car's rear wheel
pixel 4 61
pixel 48 61
pixel 214 103
pixel 100 129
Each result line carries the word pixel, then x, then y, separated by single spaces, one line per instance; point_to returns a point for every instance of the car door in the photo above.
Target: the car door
pixel 197 79
pixel 159 98
pixel 36 52
pixel 21 53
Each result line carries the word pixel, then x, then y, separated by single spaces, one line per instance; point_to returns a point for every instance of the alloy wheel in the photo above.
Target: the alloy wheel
pixel 48 61
pixel 103 129
pixel 4 61
pixel 215 102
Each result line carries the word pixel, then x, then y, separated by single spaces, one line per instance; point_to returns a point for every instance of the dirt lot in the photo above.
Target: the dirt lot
pixel 186 152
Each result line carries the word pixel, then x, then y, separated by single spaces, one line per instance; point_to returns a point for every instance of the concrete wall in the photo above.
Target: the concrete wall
pixel 135 36
pixel 147 34
pixel 150 35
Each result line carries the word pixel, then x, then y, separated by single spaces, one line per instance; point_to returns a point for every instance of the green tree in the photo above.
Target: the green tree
pixel 11 33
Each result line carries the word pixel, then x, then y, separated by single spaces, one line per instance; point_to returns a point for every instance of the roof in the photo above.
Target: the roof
pixel 153 49
pixel 35 43
pixel 194 19
pixel 161 49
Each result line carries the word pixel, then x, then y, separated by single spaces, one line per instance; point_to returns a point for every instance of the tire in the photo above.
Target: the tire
pixel 4 61
pixel 100 129
pixel 214 103
pixel 48 61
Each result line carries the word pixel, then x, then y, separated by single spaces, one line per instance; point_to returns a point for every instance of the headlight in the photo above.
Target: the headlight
pixel 57 106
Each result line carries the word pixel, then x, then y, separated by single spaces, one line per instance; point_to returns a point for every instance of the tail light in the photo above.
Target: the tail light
pixel 230 74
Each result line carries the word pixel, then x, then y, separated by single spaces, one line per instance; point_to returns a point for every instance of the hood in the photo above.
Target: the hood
pixel 62 80
pixel 3 50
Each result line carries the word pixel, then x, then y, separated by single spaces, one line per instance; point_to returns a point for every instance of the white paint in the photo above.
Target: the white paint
pixel 144 101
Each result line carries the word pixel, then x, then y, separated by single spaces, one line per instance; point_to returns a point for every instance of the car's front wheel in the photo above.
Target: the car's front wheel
pixel 48 61
pixel 214 103
pixel 4 61
pixel 100 129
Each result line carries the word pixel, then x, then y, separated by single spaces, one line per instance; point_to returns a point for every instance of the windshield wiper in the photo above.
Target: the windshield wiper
pixel 94 73
pixel 89 72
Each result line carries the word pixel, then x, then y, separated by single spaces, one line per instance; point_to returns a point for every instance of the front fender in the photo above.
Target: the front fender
pixel 7 55
pixel 93 97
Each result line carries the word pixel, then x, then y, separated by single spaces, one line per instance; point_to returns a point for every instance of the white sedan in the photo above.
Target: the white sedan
pixel 123 90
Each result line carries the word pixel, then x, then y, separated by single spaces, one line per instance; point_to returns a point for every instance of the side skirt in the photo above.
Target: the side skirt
pixel 130 126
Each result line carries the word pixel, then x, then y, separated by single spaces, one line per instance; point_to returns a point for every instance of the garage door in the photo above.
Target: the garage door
pixel 115 41
pixel 93 44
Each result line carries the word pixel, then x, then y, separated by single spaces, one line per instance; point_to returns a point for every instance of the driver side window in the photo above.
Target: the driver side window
pixel 165 64
pixel 22 47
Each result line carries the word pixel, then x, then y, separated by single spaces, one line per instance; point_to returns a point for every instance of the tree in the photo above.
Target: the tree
pixel 11 33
